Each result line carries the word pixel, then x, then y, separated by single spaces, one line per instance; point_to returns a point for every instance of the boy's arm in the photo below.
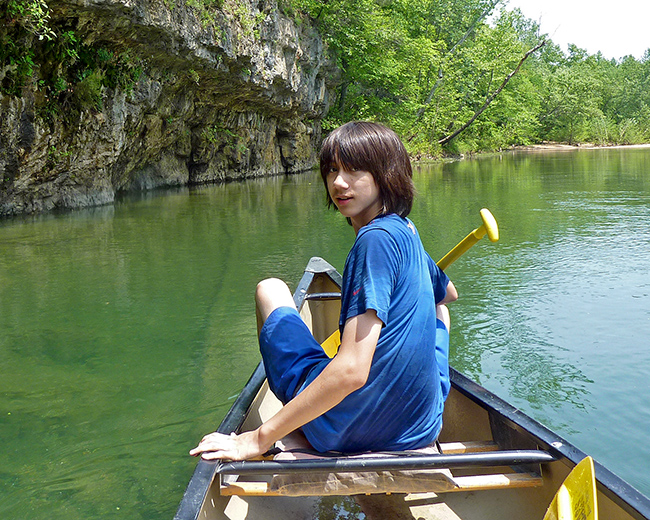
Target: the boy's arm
pixel 348 371
pixel 452 294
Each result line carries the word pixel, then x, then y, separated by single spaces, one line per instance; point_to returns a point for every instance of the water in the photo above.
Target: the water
pixel 128 330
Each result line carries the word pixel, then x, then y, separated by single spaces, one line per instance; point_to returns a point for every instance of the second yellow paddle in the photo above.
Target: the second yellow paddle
pixel 576 498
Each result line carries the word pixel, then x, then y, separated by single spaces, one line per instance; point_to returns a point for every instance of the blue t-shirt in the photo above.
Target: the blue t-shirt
pixel 400 406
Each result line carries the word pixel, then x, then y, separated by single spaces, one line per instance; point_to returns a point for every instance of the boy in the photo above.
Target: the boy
pixel 385 388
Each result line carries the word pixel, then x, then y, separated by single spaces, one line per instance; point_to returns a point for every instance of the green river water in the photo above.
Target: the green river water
pixel 127 331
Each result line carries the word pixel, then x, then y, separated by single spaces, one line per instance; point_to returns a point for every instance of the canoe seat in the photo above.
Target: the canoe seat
pixel 458 466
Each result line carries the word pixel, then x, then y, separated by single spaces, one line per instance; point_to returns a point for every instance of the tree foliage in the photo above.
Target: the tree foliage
pixel 470 75
pixel 52 59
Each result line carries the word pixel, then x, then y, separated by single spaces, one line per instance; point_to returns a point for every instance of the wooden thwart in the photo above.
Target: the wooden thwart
pixel 468 447
pixel 468 483
pixel 397 480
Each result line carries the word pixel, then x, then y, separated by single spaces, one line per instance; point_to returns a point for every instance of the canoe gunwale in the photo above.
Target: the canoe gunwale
pixel 615 488
pixel 206 470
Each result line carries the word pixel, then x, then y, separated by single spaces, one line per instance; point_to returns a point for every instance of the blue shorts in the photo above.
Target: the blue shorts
pixel 293 358
pixel 289 352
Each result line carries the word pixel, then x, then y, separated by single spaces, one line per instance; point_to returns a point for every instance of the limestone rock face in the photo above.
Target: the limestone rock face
pixel 238 95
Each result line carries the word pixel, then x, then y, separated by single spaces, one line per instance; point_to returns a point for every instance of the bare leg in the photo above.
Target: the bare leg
pixel 269 295
pixel 442 313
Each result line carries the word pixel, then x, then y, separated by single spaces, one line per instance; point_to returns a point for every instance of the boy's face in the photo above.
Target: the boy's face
pixel 355 194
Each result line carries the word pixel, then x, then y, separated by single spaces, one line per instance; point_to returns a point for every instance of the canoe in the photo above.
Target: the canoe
pixel 497 463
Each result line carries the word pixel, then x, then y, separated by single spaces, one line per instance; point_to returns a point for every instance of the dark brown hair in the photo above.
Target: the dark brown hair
pixel 374 148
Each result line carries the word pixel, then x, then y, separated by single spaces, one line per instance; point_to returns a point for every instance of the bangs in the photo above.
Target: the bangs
pixel 346 150
pixel 371 147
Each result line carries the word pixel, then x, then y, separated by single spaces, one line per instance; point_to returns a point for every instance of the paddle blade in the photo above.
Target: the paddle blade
pixel 576 498
pixel 490 224
pixel 331 344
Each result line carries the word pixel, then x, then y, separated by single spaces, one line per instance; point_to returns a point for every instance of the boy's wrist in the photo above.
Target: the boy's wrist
pixel 265 437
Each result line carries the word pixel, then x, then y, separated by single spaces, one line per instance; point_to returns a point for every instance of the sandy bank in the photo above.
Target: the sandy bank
pixel 581 146
pixel 543 147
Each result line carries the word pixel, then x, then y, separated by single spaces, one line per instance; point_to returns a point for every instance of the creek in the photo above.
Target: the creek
pixel 128 330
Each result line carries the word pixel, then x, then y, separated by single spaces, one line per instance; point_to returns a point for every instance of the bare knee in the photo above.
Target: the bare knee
pixel 272 289
pixel 269 295
pixel 269 285
pixel 442 313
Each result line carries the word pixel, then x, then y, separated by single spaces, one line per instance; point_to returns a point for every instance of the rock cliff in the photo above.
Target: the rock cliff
pixel 224 92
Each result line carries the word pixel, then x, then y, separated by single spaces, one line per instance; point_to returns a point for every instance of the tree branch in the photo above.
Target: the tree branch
pixel 491 98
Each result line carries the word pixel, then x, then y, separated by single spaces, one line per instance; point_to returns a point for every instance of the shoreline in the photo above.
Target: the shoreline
pixel 541 147
pixel 579 146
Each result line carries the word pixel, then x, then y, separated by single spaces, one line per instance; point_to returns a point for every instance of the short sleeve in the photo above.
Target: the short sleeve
pixel 439 280
pixel 370 275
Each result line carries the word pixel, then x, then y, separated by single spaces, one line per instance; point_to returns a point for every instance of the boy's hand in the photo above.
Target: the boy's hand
pixel 230 447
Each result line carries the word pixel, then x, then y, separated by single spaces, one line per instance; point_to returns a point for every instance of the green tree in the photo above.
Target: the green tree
pixel 428 68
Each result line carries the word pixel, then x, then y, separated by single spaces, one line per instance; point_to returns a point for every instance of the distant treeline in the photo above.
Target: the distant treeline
pixel 468 75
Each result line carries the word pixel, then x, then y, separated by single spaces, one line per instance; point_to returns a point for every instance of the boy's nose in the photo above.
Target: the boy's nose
pixel 340 181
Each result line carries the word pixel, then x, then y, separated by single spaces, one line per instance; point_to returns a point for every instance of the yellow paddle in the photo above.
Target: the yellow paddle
pixel 489 227
pixel 576 498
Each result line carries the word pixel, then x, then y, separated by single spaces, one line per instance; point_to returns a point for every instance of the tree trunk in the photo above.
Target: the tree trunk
pixel 491 98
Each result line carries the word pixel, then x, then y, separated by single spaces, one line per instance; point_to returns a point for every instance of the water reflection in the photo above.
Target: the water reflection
pixel 129 329
pixel 563 335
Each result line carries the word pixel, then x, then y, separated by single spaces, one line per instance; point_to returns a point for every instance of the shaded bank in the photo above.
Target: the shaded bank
pixel 131 95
